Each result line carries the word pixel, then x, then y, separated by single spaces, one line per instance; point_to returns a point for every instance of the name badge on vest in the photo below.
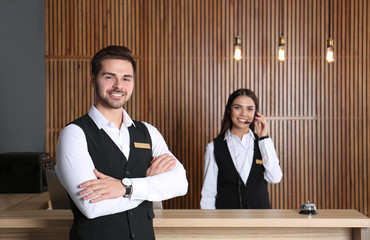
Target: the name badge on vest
pixel 259 161
pixel 142 145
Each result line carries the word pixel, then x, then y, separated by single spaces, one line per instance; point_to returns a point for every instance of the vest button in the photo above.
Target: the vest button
pixel 130 213
pixel 133 235
pixel 128 172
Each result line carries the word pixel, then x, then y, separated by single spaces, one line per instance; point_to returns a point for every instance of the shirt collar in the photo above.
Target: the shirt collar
pixel 228 134
pixel 101 121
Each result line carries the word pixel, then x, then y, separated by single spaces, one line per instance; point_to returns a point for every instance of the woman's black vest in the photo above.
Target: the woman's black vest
pixel 136 223
pixel 232 193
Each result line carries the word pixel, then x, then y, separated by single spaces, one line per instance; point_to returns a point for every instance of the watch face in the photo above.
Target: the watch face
pixel 127 182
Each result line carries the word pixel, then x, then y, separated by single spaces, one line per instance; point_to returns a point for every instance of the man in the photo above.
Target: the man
pixel 113 167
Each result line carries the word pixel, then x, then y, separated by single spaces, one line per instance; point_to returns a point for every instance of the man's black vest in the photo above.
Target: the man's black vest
pixel 232 192
pixel 136 223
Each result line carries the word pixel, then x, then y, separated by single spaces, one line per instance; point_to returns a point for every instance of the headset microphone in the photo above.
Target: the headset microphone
pixel 255 114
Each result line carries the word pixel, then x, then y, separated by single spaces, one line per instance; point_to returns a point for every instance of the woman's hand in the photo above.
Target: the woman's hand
pixel 261 126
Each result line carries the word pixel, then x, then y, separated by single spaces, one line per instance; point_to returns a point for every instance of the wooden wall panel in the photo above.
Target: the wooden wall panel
pixel 318 112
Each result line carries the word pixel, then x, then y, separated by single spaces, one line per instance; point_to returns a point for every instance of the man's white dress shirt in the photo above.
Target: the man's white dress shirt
pixel 75 166
pixel 241 152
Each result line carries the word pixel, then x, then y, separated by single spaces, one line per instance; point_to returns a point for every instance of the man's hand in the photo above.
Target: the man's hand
pixel 161 164
pixel 105 187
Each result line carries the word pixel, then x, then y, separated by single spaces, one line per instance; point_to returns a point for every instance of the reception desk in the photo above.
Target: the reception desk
pixel 23 216
pixel 204 224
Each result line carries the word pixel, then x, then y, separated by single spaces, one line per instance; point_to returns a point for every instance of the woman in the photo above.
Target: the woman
pixel 239 163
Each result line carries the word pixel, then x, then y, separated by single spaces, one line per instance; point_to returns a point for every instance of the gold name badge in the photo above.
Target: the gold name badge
pixel 142 145
pixel 259 161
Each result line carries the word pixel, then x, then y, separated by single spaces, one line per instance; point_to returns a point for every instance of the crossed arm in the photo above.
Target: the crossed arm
pixel 165 178
pixel 106 187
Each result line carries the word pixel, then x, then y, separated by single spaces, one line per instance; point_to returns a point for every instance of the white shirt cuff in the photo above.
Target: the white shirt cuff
pixel 140 188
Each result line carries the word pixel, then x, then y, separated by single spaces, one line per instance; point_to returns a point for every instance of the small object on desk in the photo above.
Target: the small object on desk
pixel 308 208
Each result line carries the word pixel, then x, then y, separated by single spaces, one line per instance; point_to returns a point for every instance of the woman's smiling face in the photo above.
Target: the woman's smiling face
pixel 242 113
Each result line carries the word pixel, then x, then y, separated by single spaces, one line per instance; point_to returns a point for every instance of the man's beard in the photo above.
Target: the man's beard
pixel 109 102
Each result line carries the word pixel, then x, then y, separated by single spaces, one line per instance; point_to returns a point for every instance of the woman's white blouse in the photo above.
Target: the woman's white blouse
pixel 241 152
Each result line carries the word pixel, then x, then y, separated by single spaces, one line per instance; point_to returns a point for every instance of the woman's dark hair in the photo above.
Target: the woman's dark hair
pixel 111 52
pixel 226 120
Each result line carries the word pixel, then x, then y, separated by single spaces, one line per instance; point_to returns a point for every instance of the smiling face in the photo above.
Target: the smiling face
pixel 113 84
pixel 242 114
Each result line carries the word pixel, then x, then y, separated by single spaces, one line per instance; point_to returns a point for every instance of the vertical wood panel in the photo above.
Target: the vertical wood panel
pixel 318 112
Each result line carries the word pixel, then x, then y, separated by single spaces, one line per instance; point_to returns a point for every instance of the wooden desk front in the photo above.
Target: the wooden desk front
pixel 204 224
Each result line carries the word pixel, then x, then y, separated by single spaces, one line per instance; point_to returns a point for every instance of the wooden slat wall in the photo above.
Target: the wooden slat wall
pixel 319 112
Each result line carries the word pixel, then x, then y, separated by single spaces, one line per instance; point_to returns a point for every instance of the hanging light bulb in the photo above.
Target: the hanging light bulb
pixel 281 50
pixel 330 51
pixel 330 42
pixel 237 48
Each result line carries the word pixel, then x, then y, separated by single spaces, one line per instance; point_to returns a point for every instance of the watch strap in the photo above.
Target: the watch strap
pixel 128 191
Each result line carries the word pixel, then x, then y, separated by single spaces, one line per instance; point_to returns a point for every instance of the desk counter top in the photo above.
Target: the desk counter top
pixel 194 218
pixel 259 218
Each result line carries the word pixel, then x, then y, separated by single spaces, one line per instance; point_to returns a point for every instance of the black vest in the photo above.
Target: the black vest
pixel 136 223
pixel 232 193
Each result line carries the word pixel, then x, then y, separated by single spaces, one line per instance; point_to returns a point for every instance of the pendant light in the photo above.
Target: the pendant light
pixel 330 41
pixel 237 39
pixel 237 48
pixel 281 49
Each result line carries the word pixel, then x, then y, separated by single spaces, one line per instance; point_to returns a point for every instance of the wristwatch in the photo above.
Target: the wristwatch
pixel 127 183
